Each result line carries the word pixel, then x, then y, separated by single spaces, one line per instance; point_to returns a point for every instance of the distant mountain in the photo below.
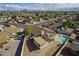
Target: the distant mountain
pixel 59 9
pixel 68 9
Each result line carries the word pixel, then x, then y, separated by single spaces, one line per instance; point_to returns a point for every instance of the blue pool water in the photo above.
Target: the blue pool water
pixel 62 38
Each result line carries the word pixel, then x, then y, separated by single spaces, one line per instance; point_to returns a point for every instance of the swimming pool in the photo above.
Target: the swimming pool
pixel 61 38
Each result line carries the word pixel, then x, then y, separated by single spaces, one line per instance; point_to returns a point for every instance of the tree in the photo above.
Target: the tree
pixel 27 30
pixel 71 24
pixel 13 17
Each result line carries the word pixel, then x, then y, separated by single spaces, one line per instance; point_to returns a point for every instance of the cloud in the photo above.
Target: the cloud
pixel 38 6
pixel 12 6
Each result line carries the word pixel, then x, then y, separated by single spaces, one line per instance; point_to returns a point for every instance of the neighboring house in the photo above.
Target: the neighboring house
pixel 21 19
pixel 75 48
pixel 8 45
pixel 39 41
pixel 4 37
pixel 3 18
pixel 11 29
pixel 7 32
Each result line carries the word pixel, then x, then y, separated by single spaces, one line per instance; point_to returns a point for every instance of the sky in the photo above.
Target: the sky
pixel 40 6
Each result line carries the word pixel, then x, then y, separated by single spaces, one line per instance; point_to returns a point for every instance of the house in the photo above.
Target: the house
pixel 39 41
pixel 11 29
pixel 6 32
pixel 21 19
pixel 3 18
pixel 4 37
pixel 75 48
